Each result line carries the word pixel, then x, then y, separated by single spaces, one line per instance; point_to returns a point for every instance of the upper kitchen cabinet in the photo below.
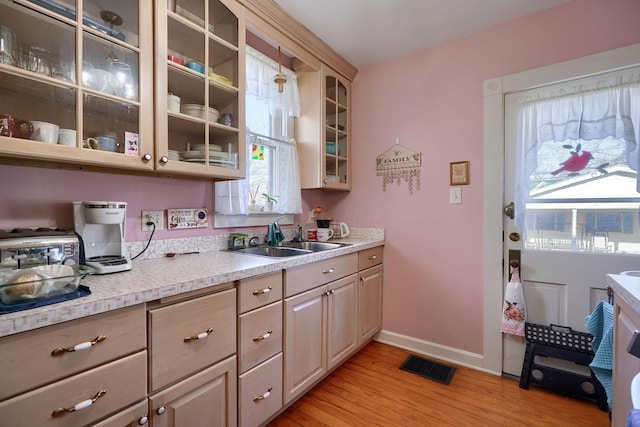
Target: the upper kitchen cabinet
pixel 200 88
pixel 75 82
pixel 324 129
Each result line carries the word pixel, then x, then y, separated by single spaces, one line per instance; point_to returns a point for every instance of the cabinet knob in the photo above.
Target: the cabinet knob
pixel 164 159
pixel 143 420
pixel 147 156
pixel 161 410
pixel 329 271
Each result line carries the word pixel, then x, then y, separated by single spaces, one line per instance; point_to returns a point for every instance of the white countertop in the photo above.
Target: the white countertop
pixel 157 278
pixel 626 286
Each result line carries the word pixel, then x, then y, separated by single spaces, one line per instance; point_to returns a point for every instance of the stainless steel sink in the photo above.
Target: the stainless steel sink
pixel 289 249
pixel 272 251
pixel 314 246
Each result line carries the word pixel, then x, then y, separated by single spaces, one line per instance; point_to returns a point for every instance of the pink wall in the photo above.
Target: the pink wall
pixel 432 101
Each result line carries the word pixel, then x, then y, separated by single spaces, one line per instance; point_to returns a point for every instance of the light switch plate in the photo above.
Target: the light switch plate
pixel 455 195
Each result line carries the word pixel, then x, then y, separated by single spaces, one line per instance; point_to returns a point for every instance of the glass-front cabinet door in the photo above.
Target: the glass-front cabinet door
pixel 199 82
pixel 76 82
pixel 336 153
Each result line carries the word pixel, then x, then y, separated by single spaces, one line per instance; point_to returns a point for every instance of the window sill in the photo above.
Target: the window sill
pixel 254 219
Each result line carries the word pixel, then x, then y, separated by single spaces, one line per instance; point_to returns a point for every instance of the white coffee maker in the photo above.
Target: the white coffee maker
pixel 101 226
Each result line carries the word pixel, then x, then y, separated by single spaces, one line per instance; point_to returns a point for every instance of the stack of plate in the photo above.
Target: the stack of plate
pixel 200 111
pixel 173 155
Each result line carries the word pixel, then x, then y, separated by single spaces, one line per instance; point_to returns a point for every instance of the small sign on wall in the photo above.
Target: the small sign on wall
pixel 187 218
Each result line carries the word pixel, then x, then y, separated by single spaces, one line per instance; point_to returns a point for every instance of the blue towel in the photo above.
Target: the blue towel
pixel 274 235
pixel 633 420
pixel 600 325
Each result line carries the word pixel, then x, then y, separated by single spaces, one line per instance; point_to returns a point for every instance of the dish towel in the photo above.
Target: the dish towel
pixel 514 309
pixel 633 420
pixel 274 235
pixel 600 324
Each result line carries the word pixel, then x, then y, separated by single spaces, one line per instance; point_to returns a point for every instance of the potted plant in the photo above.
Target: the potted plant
pixel 269 201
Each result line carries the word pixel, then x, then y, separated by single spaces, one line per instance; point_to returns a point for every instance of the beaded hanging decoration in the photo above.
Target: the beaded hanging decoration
pixel 399 164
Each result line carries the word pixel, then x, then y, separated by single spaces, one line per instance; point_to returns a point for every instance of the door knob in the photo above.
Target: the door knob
pixel 509 210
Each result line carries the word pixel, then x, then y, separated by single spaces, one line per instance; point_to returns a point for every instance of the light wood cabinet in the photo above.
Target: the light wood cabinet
pixel 369 303
pixel 369 293
pixel 342 320
pixel 187 336
pixel 87 73
pixel 260 392
pixel 305 341
pixel 323 130
pixel 206 84
pixel 113 334
pixel 626 366
pixel 101 359
pixel 207 398
pixel 260 331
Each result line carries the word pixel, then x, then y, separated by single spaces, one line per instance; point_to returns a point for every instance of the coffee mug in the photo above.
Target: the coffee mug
pixel 14 127
pixel 107 143
pixel 324 234
pixel 67 137
pixel 90 143
pixel 45 132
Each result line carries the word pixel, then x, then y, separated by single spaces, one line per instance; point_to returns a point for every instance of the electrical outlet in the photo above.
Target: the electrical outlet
pixel 156 217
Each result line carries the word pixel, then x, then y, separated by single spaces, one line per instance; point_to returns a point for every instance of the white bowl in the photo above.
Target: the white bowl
pixel 199 111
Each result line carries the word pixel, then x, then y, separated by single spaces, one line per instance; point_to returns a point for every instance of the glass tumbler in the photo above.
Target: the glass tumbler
pixel 8 46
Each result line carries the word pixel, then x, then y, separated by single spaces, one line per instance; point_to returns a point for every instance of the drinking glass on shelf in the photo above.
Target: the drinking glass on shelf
pixel 8 46
pixel 123 84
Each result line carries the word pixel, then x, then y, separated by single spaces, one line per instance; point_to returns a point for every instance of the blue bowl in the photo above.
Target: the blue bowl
pixel 331 148
pixel 195 66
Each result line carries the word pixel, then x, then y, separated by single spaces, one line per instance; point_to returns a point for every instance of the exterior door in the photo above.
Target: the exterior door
pixel 579 227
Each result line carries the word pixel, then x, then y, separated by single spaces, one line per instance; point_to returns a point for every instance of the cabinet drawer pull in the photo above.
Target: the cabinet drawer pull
pixel 331 270
pixel 263 337
pixel 264 395
pixel 84 404
pixel 200 336
pixel 262 291
pixel 82 346
pixel 373 258
pixel 331 292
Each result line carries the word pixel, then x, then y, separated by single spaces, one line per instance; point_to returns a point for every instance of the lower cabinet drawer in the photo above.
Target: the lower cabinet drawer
pixel 113 386
pixel 369 257
pixel 185 337
pixel 35 358
pixel 260 392
pixel 305 277
pixel 259 335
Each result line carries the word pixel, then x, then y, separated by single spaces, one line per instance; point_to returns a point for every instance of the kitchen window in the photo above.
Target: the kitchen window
pixel 272 185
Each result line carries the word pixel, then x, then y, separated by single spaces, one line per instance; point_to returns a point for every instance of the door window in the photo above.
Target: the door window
pixel 577 184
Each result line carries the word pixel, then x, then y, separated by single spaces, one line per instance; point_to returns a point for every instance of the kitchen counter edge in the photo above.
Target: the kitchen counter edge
pixel 157 278
pixel 628 287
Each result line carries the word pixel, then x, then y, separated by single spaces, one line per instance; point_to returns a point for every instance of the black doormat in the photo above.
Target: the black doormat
pixel 429 369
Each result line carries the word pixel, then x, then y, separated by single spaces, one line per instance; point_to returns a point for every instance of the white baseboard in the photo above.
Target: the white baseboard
pixel 448 354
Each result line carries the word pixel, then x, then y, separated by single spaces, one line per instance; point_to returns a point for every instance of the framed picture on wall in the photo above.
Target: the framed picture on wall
pixel 459 173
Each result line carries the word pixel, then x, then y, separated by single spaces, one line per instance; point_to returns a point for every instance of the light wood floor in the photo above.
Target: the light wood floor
pixel 370 390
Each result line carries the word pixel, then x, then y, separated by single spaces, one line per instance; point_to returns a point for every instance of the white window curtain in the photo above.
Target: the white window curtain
pixel 608 108
pixel 232 197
